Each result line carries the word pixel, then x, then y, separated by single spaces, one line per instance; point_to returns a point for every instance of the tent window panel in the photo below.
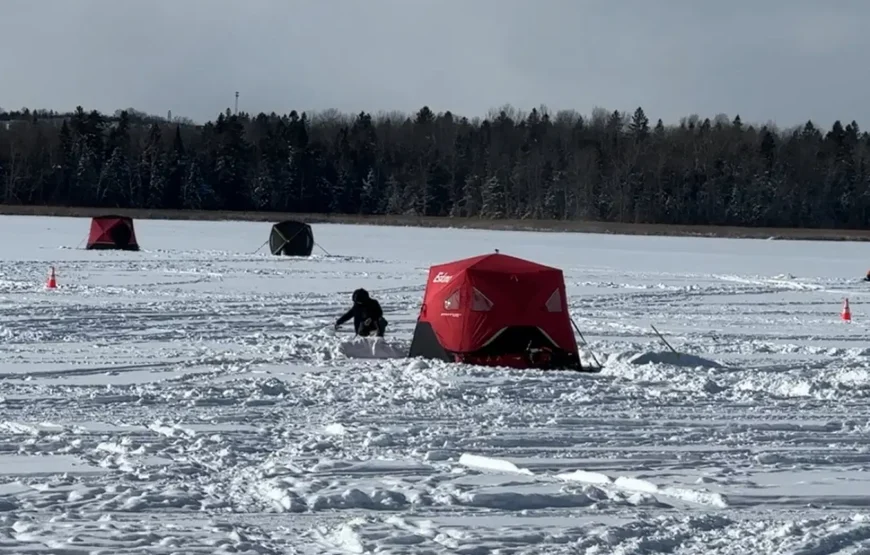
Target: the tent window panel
pixel 479 302
pixel 554 303
pixel 452 302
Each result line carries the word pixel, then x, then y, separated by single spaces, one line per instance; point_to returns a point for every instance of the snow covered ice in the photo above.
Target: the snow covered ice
pixel 193 398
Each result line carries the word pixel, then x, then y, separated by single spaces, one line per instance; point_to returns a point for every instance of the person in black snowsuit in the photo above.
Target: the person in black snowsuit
pixel 367 315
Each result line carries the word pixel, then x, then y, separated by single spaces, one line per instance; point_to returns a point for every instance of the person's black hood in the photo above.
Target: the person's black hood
pixel 360 296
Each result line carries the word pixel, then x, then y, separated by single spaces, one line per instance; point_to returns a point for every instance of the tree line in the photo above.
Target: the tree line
pixel 607 166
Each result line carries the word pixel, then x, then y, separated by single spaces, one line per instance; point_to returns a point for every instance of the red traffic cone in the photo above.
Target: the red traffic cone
pixel 52 280
pixel 846 315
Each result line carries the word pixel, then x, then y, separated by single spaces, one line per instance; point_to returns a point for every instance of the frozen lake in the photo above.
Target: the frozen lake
pixel 186 398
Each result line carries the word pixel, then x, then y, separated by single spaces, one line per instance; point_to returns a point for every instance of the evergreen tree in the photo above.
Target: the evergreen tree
pixel 610 166
pixel 194 192
pixel 493 199
pixel 639 126
pixel 177 167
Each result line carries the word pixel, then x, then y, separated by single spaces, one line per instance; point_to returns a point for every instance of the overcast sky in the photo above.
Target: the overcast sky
pixel 768 60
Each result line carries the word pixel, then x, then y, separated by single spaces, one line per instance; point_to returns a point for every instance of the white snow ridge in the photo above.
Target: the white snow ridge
pixel 194 398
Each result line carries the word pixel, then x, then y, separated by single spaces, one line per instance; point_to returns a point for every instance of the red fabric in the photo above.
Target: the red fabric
pixel 101 228
pixel 518 290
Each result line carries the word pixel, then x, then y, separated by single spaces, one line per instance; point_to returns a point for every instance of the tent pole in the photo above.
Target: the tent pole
pixel 665 341
pixel 281 235
pixel 580 333
pixel 321 248
pixel 293 237
pixel 85 238
pixel 286 240
pixel 260 247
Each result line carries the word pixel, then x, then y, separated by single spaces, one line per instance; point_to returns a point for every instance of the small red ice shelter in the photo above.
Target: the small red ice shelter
pixel 496 310
pixel 112 232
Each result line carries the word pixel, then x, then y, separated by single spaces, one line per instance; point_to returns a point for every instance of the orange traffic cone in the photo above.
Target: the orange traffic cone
pixel 846 315
pixel 52 280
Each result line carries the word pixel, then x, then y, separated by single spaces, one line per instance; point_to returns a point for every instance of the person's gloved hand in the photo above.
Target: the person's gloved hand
pixel 368 322
pixel 335 327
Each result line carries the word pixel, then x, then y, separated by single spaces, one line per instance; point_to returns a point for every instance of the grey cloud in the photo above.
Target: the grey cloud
pixel 773 60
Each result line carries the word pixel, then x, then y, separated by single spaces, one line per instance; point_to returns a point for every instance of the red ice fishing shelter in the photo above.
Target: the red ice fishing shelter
pixel 496 310
pixel 112 232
